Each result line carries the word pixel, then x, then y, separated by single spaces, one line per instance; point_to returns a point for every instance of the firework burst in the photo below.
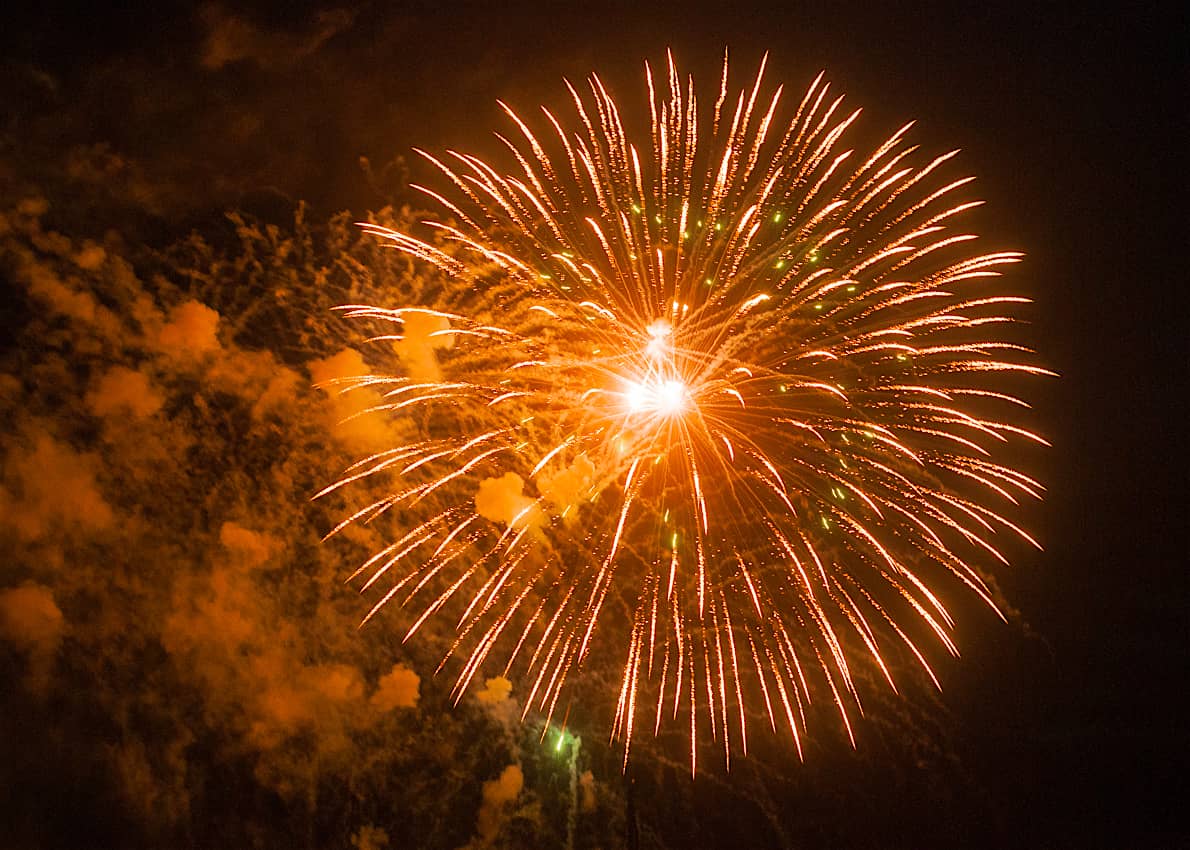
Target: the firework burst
pixel 733 376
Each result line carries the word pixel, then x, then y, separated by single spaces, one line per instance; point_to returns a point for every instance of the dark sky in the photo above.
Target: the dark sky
pixel 1074 120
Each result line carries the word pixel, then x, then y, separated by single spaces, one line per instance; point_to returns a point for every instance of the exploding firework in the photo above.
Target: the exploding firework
pixel 735 381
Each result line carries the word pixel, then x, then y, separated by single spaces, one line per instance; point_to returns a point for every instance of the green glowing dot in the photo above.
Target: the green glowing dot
pixel 818 306
pixel 674 541
pixel 636 208
pixel 851 289
pixel 657 219
pixel 710 281
pixel 782 388
pixel 777 218
pixel 826 523
pixel 780 264
pixel 718 225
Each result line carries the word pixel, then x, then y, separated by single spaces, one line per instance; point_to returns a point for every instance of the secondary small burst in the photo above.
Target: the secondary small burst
pixel 731 375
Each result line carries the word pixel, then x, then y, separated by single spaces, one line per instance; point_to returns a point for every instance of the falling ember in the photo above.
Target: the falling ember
pixel 732 375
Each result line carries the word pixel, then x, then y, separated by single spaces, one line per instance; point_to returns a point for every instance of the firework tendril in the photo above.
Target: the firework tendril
pixel 739 383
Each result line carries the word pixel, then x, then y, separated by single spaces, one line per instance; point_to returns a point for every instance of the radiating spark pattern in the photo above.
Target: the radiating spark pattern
pixel 734 379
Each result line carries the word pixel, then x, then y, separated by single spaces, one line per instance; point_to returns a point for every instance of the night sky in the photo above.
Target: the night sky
pixel 140 126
